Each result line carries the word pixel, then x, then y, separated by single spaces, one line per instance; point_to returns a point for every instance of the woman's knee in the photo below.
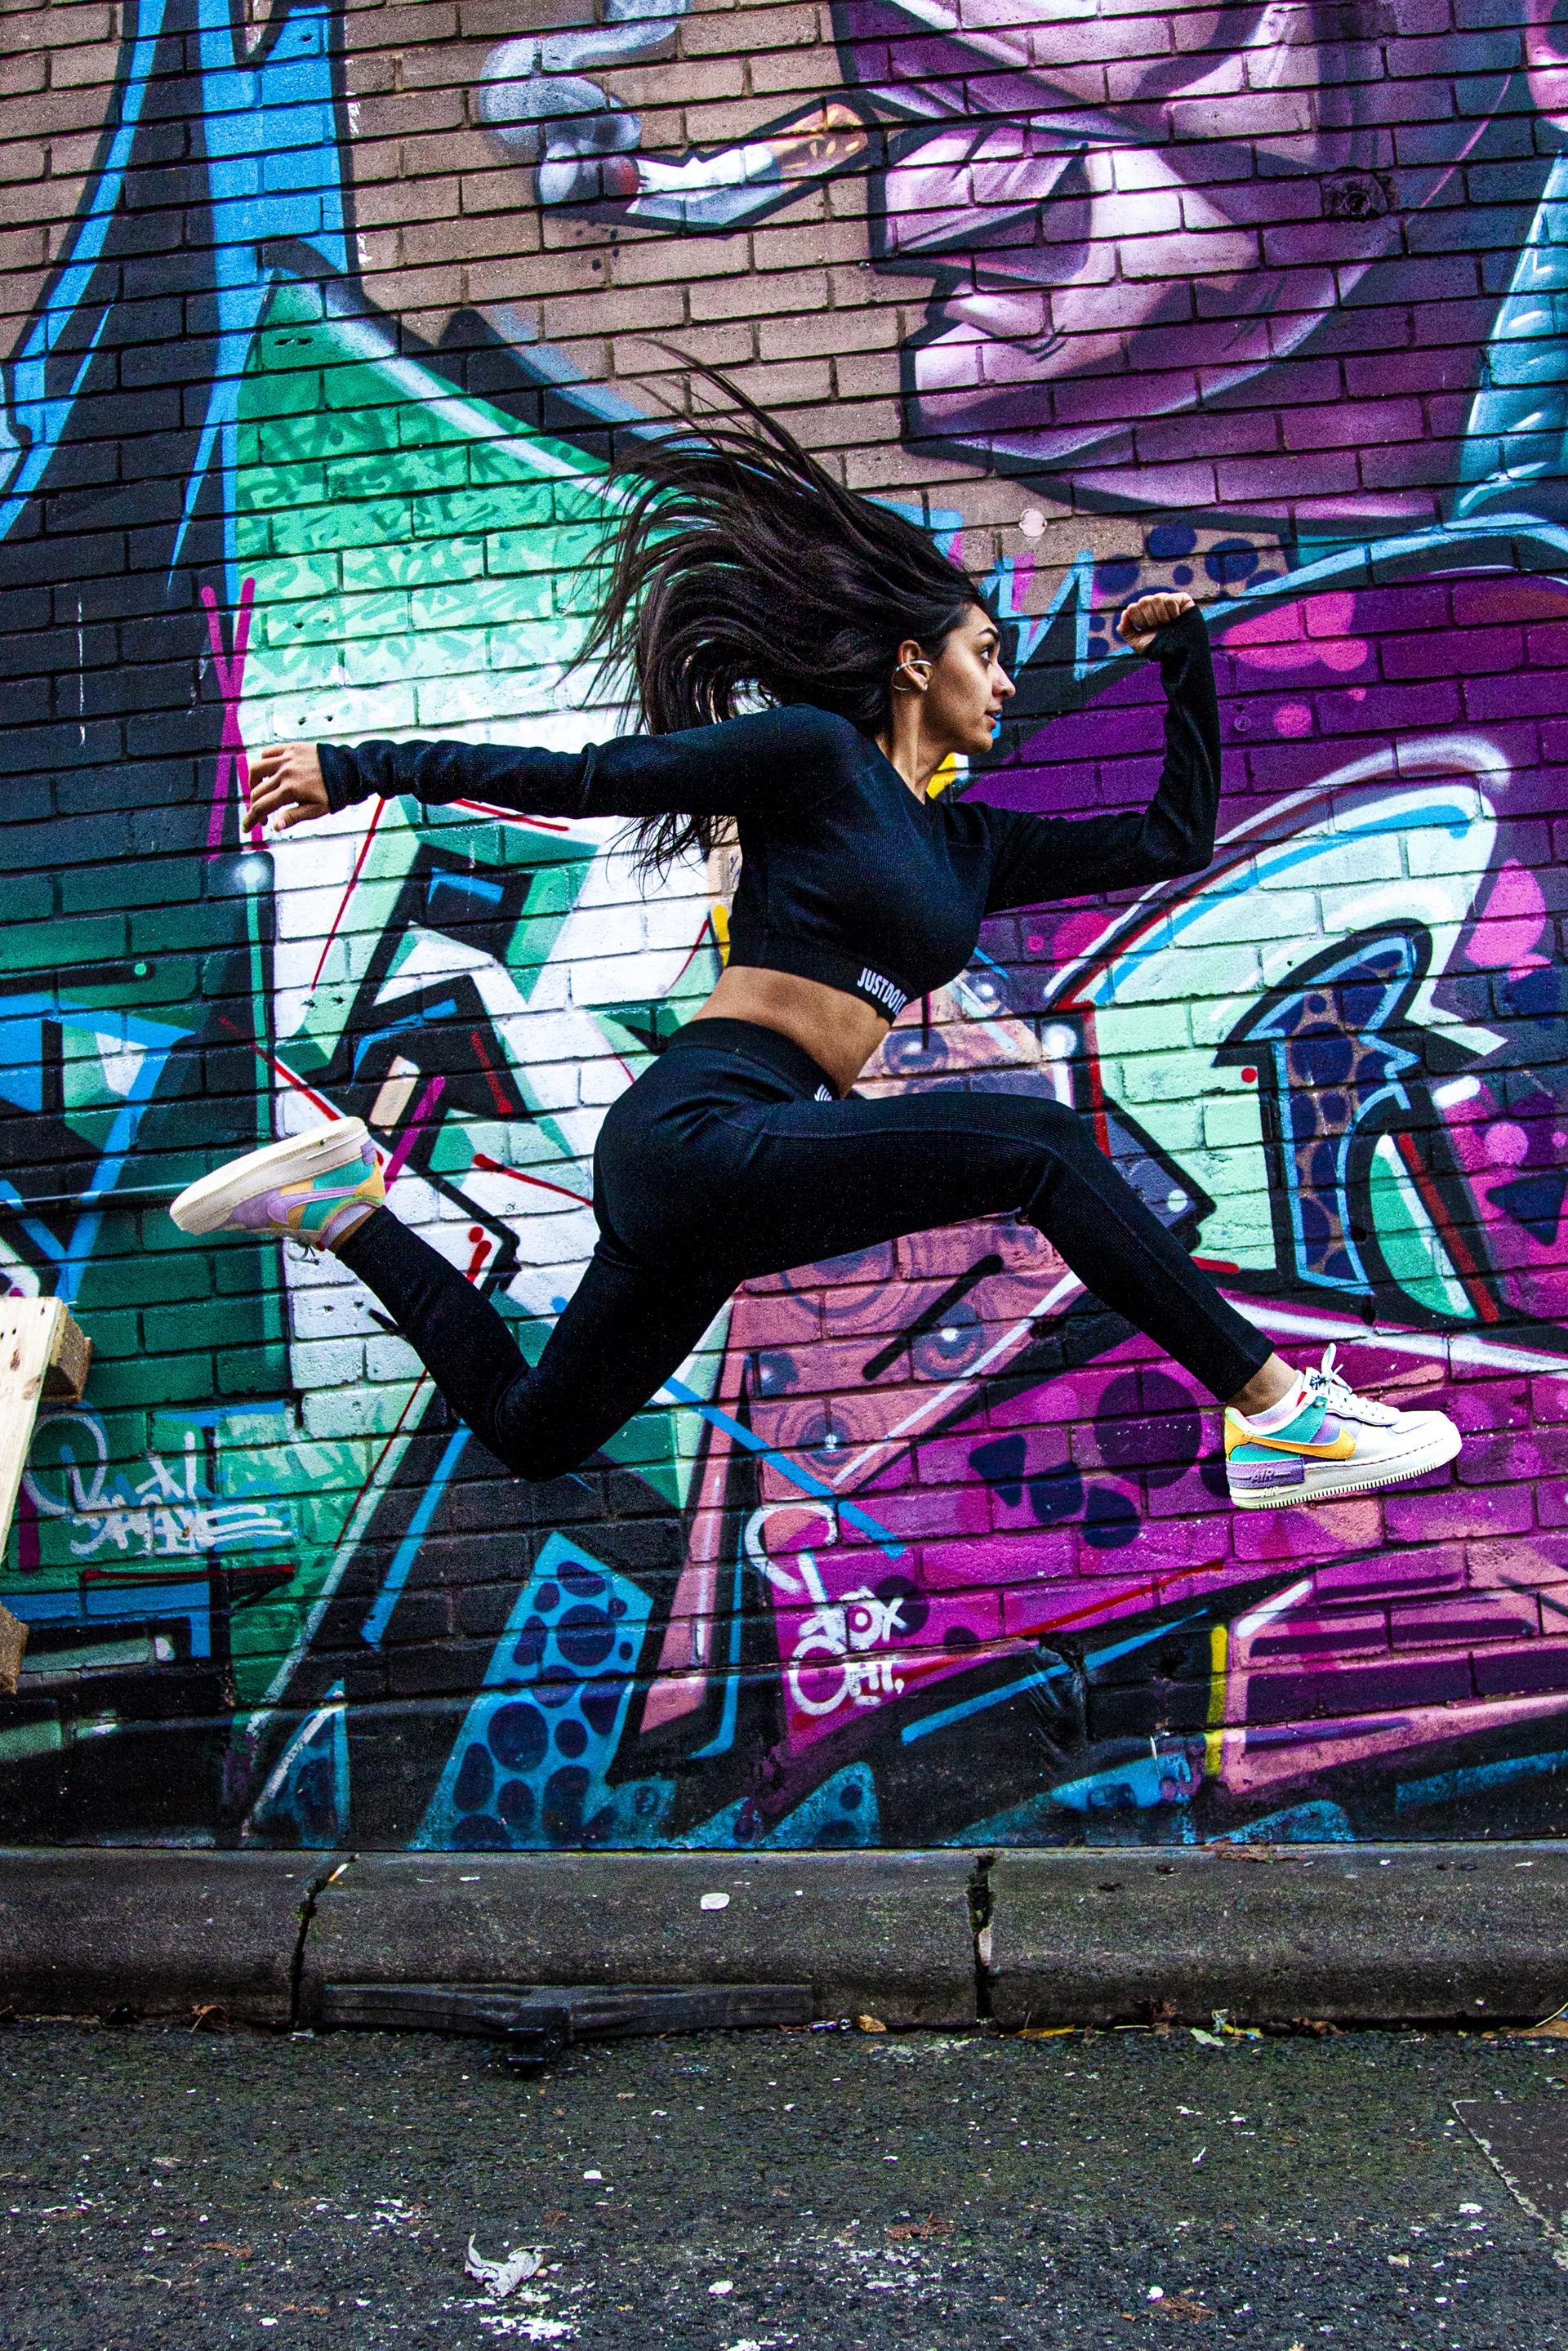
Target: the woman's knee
pixel 1059 1123
pixel 538 1462
pixel 531 1449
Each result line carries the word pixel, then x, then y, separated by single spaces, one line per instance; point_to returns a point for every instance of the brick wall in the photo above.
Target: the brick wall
pixel 323 350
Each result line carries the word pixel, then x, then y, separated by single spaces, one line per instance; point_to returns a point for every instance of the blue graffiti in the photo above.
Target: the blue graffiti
pixel 305 1802
pixel 1444 1787
pixel 530 1765
pixel 270 138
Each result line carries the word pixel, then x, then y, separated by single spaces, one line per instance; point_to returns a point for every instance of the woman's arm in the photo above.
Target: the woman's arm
pixel 726 769
pixel 1040 858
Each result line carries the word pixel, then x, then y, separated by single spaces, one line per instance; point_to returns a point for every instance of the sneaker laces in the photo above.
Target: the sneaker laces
pixel 1328 1383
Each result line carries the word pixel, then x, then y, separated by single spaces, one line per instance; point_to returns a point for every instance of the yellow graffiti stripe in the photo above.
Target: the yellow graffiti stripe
pixel 1219 1665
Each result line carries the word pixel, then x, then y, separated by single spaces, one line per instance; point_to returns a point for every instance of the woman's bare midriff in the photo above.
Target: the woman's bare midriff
pixel 839 1031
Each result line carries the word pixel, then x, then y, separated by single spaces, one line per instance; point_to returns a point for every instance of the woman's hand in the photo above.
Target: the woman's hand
pixel 286 785
pixel 1140 622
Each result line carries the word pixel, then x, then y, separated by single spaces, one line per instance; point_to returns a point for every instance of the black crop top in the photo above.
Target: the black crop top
pixel 845 876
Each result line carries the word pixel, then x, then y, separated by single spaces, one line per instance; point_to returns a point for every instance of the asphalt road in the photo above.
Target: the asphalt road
pixel 757 2190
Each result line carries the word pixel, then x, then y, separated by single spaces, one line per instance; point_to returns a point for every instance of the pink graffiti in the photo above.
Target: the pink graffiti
pixel 1315 630
pixel 230 672
pixel 427 1101
pixel 1509 930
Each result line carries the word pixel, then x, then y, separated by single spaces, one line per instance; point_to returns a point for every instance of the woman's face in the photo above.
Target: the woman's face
pixel 1136 214
pixel 1204 255
pixel 968 688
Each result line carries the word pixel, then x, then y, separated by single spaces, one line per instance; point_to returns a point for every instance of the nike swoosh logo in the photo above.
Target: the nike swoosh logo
pixel 1341 1449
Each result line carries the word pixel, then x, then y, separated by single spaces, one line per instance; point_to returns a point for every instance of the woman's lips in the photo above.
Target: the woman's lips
pixel 967 187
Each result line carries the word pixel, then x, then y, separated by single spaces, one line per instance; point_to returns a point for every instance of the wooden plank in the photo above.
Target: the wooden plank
pixel 42 1352
pixel 486 2012
pixel 70 1355
pixel 13 1642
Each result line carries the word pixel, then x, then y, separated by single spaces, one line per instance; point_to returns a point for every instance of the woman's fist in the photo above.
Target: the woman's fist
pixel 285 786
pixel 1141 621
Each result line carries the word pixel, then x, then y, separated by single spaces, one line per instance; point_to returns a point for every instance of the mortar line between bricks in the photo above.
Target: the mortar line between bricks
pixel 307 1919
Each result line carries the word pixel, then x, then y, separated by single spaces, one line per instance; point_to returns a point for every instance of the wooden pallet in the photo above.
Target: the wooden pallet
pixel 44 1357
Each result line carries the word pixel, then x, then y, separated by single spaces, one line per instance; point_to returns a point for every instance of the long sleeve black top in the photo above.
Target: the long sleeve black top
pixel 845 876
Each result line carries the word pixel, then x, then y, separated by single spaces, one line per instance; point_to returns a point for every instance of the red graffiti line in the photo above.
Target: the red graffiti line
pixel 496 1096
pixel 281 1069
pixel 513 816
pixel 541 1182
pixel 230 674
pixel 1470 1273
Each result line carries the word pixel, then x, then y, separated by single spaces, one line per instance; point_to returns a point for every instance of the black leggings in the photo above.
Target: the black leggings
pixel 730 1159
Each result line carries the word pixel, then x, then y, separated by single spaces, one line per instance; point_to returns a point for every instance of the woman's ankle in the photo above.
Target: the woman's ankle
pixel 1269 1384
pixel 350 1220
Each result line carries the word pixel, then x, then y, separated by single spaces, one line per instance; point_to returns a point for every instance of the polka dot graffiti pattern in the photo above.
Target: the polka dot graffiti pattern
pixel 529 1767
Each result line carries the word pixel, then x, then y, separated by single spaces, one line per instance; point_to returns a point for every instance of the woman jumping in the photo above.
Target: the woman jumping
pixel 742 574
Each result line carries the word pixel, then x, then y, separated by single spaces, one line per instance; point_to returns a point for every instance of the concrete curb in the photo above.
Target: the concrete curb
pixel 1071 1936
pixel 90 1929
pixel 887 1931
pixel 1339 1932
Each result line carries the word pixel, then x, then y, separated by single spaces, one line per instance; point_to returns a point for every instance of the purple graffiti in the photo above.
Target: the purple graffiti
pixel 1172 252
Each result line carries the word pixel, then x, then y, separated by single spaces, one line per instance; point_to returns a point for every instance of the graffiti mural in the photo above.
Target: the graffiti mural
pixel 313 426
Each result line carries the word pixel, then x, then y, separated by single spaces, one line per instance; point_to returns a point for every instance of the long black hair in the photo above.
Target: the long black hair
pixel 741 573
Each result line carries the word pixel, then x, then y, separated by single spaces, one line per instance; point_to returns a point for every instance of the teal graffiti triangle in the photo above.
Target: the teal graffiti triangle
pixel 841 1815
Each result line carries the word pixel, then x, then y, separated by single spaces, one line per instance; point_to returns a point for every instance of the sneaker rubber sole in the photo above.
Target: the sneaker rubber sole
pixel 1328 1482
pixel 205 1206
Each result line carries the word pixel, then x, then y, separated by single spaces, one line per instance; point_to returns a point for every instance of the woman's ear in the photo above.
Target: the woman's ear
pixel 1546 57
pixel 912 670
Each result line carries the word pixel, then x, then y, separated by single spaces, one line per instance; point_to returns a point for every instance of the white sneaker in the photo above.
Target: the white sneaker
pixel 315 1188
pixel 1332 1442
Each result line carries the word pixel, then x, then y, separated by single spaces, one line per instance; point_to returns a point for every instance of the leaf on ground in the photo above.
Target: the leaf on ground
pixel 870 2024
pixel 930 2226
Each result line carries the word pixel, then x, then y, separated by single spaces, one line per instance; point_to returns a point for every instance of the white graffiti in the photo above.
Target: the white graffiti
pixel 795 1510
pixel 832 1664
pixel 168 1514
